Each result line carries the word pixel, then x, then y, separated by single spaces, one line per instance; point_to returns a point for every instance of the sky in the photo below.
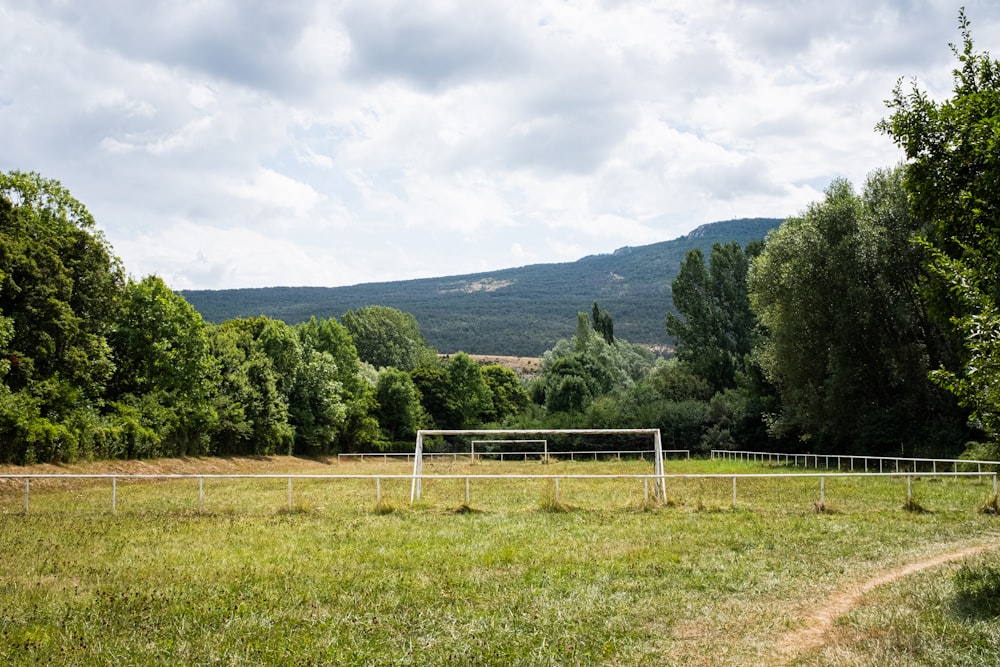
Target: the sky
pixel 254 143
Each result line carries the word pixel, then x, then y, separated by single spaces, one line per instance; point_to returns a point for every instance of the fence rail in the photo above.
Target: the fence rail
pixel 503 456
pixel 379 478
pixel 853 462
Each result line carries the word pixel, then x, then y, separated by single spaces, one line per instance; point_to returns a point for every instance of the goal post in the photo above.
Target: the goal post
pixel 544 443
pixel 418 458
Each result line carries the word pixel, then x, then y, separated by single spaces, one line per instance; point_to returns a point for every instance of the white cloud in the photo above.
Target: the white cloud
pixel 232 144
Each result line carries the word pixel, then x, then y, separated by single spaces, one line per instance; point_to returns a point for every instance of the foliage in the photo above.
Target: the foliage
pixel 977 385
pixel 454 392
pixel 60 290
pixel 715 330
pixel 387 337
pixel 849 343
pixel 472 398
pixel 603 324
pixel 576 371
pixel 252 407
pixel 952 174
pixel 399 413
pixel 952 169
pixel 162 361
pixel 508 394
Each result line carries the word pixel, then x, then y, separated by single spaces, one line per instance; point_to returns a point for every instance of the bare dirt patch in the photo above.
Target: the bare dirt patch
pixel 525 367
pixel 818 622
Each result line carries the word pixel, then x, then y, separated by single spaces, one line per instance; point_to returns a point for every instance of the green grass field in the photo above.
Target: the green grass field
pixel 512 578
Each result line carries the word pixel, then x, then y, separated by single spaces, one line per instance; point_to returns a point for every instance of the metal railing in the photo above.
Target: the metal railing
pixel 853 462
pixel 379 478
pixel 503 456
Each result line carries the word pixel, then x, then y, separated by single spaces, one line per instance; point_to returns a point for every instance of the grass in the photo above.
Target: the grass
pixel 926 619
pixel 514 576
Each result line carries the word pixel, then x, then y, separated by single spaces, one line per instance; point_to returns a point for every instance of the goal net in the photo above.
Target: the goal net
pixel 486 448
pixel 653 433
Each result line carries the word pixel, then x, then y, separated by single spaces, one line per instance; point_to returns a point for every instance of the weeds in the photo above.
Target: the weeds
pixel 977 591
pixel 990 506
pixel 823 508
pixel 913 507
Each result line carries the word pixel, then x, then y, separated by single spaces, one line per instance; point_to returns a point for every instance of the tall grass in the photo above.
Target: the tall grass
pixel 505 580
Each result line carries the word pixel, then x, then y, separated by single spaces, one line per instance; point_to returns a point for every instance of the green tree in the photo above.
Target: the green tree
pixel 603 324
pixel 250 402
pixel 576 371
pixel 848 340
pixel 715 331
pixel 161 353
pixel 400 413
pixel 509 395
pixel 952 177
pixel 327 336
pixel 436 395
pixel 60 289
pixel 387 337
pixel 471 394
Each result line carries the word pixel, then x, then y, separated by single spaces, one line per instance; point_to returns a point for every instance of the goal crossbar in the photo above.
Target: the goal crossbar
pixel 418 459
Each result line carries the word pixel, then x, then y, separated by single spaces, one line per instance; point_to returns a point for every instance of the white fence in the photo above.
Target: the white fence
pixel 657 480
pixel 514 456
pixel 854 462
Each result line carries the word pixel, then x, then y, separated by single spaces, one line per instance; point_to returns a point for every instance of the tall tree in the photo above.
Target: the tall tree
pixel 60 289
pixel 400 413
pixel 953 180
pixel 251 402
pixel 161 352
pixel 603 324
pixel 387 337
pixel 509 395
pixel 715 330
pixel 329 337
pixel 472 397
pixel 848 340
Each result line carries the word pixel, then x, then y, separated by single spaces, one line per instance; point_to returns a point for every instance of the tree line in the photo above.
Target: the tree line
pixel 867 324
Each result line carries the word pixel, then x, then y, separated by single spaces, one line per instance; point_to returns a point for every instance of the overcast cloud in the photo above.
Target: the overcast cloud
pixel 249 143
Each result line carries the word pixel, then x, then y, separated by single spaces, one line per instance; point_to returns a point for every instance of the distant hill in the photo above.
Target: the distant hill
pixel 519 311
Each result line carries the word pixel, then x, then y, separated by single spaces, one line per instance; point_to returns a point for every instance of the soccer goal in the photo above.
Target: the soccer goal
pixel 654 433
pixel 544 452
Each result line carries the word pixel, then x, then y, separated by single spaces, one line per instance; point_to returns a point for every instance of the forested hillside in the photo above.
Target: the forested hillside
pixel 518 311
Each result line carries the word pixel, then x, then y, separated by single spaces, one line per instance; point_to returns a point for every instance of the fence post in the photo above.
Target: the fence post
pixel 734 491
pixel 466 491
pixel 201 494
pixel 994 489
pixel 557 492
pixel 645 492
pixel 378 490
pixel 822 490
pixel 27 492
pixel 289 494
pixel 114 495
pixel 909 489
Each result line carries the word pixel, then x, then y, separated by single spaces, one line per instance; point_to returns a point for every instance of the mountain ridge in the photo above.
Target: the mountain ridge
pixel 518 311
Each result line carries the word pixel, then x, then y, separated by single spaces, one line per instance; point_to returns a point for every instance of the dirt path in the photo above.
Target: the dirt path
pixel 818 622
